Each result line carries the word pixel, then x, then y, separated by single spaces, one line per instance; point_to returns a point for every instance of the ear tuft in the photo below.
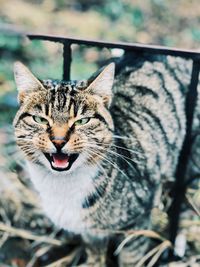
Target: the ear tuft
pixel 26 82
pixel 102 85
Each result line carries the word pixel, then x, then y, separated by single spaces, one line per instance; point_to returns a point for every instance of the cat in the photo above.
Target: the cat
pixel 99 151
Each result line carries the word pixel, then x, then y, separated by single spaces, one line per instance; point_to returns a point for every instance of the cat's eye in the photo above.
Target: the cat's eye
pixel 40 120
pixel 82 121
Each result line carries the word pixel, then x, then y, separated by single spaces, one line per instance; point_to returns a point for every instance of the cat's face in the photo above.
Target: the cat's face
pixel 62 126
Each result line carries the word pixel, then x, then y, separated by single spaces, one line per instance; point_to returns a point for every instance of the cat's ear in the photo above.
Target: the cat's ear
pixel 102 85
pixel 26 82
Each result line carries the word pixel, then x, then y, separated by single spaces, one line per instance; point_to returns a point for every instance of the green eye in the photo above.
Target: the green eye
pixel 82 121
pixel 40 120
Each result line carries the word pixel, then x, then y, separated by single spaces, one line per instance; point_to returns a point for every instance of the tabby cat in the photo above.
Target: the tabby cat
pixel 99 151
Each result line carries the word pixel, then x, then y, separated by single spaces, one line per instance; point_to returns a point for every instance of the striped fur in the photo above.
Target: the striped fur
pixel 127 150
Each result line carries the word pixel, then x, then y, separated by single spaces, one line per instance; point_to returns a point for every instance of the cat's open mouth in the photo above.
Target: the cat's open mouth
pixel 61 161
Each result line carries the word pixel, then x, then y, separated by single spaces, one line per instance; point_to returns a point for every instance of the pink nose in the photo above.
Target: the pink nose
pixel 58 142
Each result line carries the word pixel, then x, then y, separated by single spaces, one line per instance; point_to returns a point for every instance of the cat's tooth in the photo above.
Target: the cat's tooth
pixel 55 166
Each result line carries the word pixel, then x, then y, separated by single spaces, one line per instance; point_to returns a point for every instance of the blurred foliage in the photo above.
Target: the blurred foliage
pixel 117 20
pixel 125 20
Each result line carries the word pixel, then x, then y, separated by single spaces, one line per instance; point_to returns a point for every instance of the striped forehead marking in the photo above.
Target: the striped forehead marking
pixel 65 85
pixel 60 96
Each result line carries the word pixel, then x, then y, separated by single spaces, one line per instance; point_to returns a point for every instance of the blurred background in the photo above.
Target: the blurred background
pixel 27 238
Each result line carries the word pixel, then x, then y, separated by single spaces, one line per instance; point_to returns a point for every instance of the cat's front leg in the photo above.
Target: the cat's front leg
pixel 95 257
pixel 133 252
pixel 96 251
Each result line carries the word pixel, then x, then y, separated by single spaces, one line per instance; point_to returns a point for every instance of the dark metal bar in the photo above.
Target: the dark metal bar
pixel 126 46
pixel 180 185
pixel 67 59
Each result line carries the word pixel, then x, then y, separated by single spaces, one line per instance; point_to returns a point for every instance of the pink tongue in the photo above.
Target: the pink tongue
pixel 60 161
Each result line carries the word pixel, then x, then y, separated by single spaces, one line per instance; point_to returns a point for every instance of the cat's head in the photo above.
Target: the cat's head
pixel 63 125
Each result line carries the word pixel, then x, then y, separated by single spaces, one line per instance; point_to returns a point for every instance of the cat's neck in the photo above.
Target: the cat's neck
pixel 81 178
pixel 63 195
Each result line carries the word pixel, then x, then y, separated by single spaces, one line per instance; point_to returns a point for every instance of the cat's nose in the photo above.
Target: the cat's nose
pixel 59 142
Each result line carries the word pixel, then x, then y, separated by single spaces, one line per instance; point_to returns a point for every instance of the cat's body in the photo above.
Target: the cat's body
pixel 133 145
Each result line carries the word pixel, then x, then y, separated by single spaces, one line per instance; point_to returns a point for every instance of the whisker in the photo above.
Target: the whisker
pixel 24 139
pixel 124 148
pixel 117 136
pixel 127 149
pixel 123 158
pixel 105 158
pixel 115 153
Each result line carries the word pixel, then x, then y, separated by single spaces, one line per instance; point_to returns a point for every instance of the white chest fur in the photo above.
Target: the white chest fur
pixel 62 195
